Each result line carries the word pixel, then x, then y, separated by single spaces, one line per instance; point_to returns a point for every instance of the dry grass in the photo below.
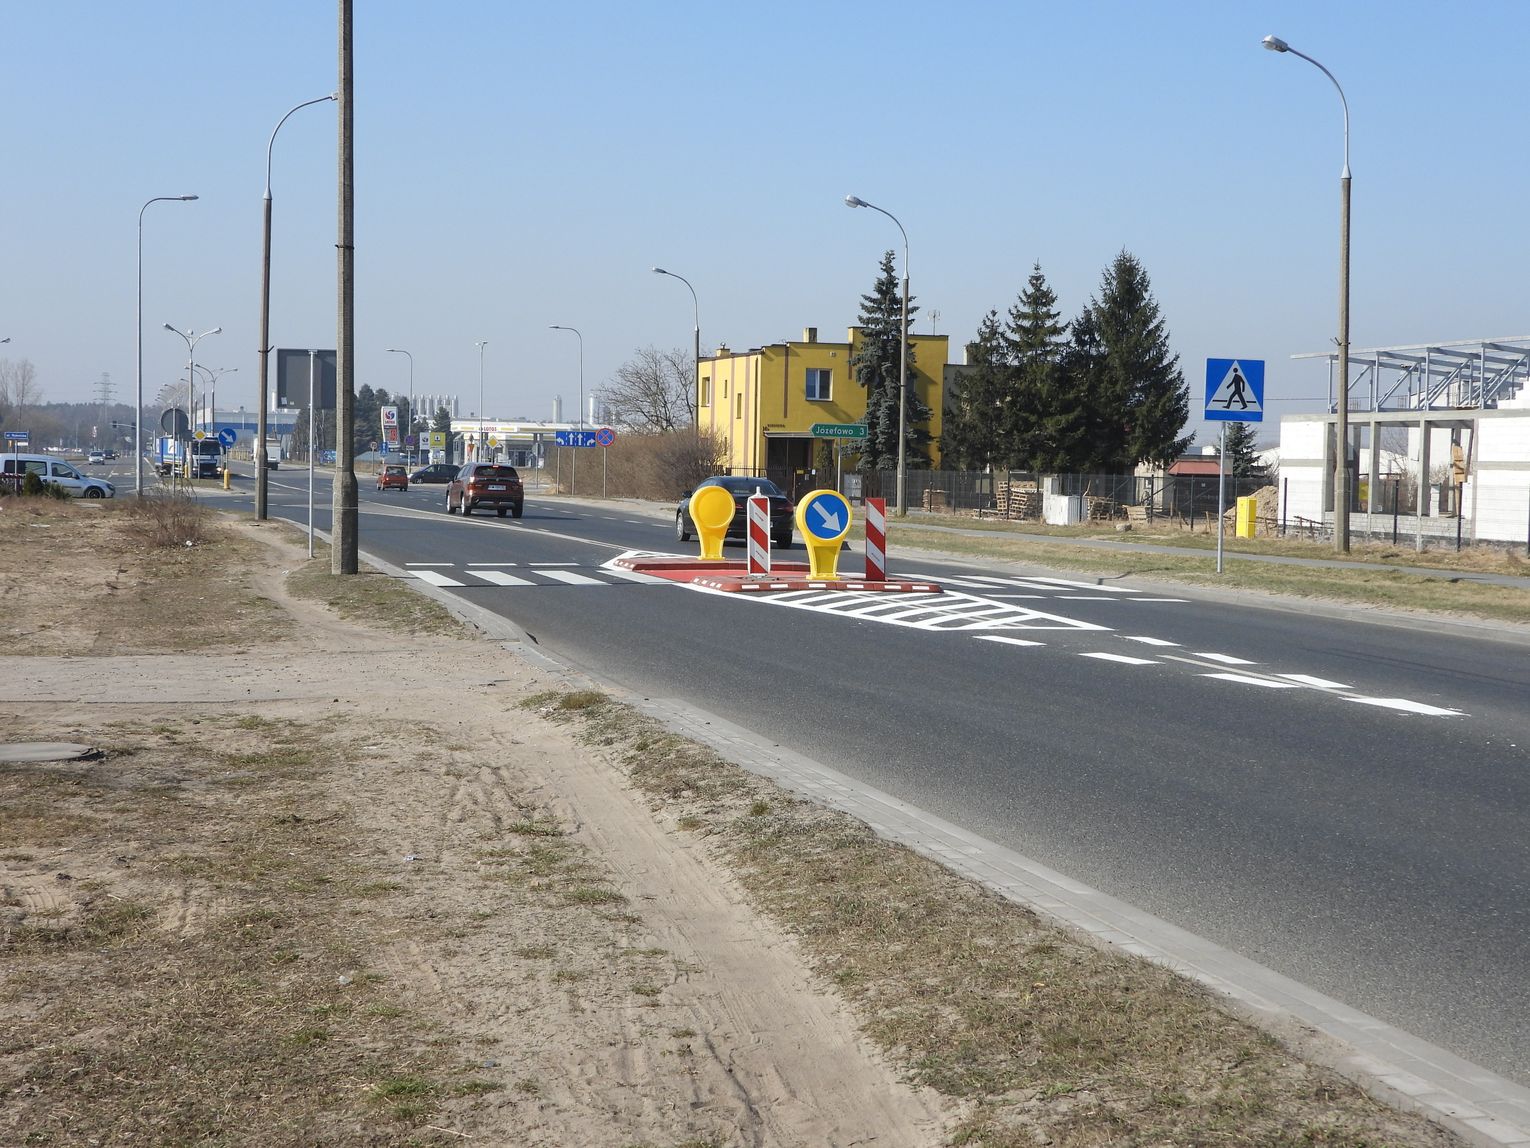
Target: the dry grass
pixel 1049 1038
pixel 216 981
pixel 1392 589
pixel 371 597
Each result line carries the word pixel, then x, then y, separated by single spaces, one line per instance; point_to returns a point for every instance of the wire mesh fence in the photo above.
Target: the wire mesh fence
pixel 1490 511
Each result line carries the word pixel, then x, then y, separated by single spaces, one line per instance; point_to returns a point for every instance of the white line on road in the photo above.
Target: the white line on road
pixel 1250 680
pixel 436 579
pixel 1122 658
pixel 1406 706
pixel 1008 641
pixel 1315 683
pixel 572 579
pixel 500 578
pixel 1225 659
pixel 1149 641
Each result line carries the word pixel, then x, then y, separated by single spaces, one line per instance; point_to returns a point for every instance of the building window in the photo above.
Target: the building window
pixel 706 390
pixel 738 405
pixel 818 385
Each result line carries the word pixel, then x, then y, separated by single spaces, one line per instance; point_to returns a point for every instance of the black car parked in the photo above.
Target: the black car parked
pixel 436 472
pixel 782 512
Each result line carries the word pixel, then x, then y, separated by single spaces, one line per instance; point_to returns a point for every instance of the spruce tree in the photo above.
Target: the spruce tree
pixel 1042 422
pixel 1139 378
pixel 876 369
pixel 972 427
pixel 1095 440
pixel 1242 451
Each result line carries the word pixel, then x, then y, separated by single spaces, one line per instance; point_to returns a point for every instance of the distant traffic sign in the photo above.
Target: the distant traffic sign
pixel 1234 390
pixel 605 436
pixel 17 436
pixel 838 430
pixel 228 436
pixel 576 438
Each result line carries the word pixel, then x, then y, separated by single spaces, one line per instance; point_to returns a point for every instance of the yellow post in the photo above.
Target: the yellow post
pixel 226 473
pixel 711 510
pixel 1248 509
pixel 823 520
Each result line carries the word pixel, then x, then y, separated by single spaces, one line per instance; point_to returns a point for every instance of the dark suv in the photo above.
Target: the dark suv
pixel 782 512
pixel 486 486
pixel 435 472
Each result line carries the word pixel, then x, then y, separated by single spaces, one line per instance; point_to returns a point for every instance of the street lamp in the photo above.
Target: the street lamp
pixel 210 409
pixel 138 389
pixel 478 450
pixel 1341 466
pixel 902 507
pixel 696 331
pixel 192 339
pixel 265 321
pixel 573 465
pixel 400 351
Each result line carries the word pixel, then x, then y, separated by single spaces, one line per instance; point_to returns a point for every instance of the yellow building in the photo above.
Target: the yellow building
pixel 763 403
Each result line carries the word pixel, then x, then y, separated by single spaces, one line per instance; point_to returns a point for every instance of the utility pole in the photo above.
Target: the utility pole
pixel 344 544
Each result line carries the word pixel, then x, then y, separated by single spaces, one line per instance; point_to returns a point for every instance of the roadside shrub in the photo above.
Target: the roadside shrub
pixel 168 519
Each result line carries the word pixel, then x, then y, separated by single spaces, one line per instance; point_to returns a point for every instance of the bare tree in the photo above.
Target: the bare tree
pixel 18 389
pixel 654 391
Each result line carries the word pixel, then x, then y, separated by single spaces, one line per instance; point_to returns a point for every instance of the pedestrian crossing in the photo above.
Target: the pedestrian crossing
pixel 524 575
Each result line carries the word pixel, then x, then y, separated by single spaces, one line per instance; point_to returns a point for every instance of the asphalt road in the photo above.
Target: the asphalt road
pixel 1340 797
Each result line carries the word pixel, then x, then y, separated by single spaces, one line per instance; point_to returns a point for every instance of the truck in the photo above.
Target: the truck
pixel 273 454
pixel 172 456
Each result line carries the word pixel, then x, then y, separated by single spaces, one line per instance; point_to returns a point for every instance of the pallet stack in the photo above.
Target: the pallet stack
pixel 1012 500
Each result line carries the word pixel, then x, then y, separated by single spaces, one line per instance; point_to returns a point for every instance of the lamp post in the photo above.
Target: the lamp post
pixel 138 388
pixel 210 409
pixel 574 464
pixel 478 450
pixel 401 351
pixel 1341 466
pixel 902 507
pixel 696 330
pixel 265 320
pixel 192 339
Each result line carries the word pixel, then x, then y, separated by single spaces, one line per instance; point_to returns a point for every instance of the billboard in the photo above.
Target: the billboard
pixel 292 378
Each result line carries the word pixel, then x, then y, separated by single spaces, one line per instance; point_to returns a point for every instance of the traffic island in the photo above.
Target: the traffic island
pixel 734 577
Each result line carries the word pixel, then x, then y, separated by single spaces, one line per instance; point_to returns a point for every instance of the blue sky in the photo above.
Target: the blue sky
pixel 519 165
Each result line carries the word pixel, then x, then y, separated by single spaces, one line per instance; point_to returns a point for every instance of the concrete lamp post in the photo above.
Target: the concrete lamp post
pixel 478 450
pixel 1341 466
pixel 265 318
pixel 138 377
pixel 902 507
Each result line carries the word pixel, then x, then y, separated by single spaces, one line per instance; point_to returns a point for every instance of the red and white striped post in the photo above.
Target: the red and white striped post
pixel 759 534
pixel 876 540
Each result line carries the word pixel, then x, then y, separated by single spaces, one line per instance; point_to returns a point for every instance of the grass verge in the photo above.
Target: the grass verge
pixel 1048 1038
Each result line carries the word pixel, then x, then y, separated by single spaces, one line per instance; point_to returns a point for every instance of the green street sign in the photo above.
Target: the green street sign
pixel 839 430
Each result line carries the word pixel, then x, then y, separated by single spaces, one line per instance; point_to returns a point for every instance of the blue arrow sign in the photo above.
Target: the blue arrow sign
pixel 1234 390
pixel 826 515
pixel 576 438
pixel 228 436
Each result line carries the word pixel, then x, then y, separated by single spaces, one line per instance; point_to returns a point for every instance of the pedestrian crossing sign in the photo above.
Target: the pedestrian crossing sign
pixel 1235 390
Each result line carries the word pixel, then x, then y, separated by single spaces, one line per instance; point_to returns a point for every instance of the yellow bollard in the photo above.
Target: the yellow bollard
pixel 711 510
pixel 226 473
pixel 1248 511
pixel 823 520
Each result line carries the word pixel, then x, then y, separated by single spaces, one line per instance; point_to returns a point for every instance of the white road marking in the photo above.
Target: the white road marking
pixel 539 565
pixel 572 579
pixel 1160 599
pixel 1086 598
pixel 1315 683
pixel 412 565
pixel 949 611
pixel 436 579
pixel 1250 680
pixel 1149 641
pixel 1406 706
pixel 1095 586
pixel 475 565
pixel 1123 659
pixel 500 578
pixel 1225 659
pixel 1008 641
pixel 636 576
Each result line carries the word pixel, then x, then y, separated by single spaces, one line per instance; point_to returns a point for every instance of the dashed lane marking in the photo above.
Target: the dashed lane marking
pixel 1149 641
pixel 1225 659
pixel 1250 680
pixel 1124 659
pixel 1406 706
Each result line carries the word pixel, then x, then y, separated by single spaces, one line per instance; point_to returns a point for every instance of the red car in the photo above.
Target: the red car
pixel 393 477
pixel 486 486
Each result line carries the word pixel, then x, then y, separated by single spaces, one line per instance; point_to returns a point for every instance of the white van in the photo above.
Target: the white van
pixel 15 468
